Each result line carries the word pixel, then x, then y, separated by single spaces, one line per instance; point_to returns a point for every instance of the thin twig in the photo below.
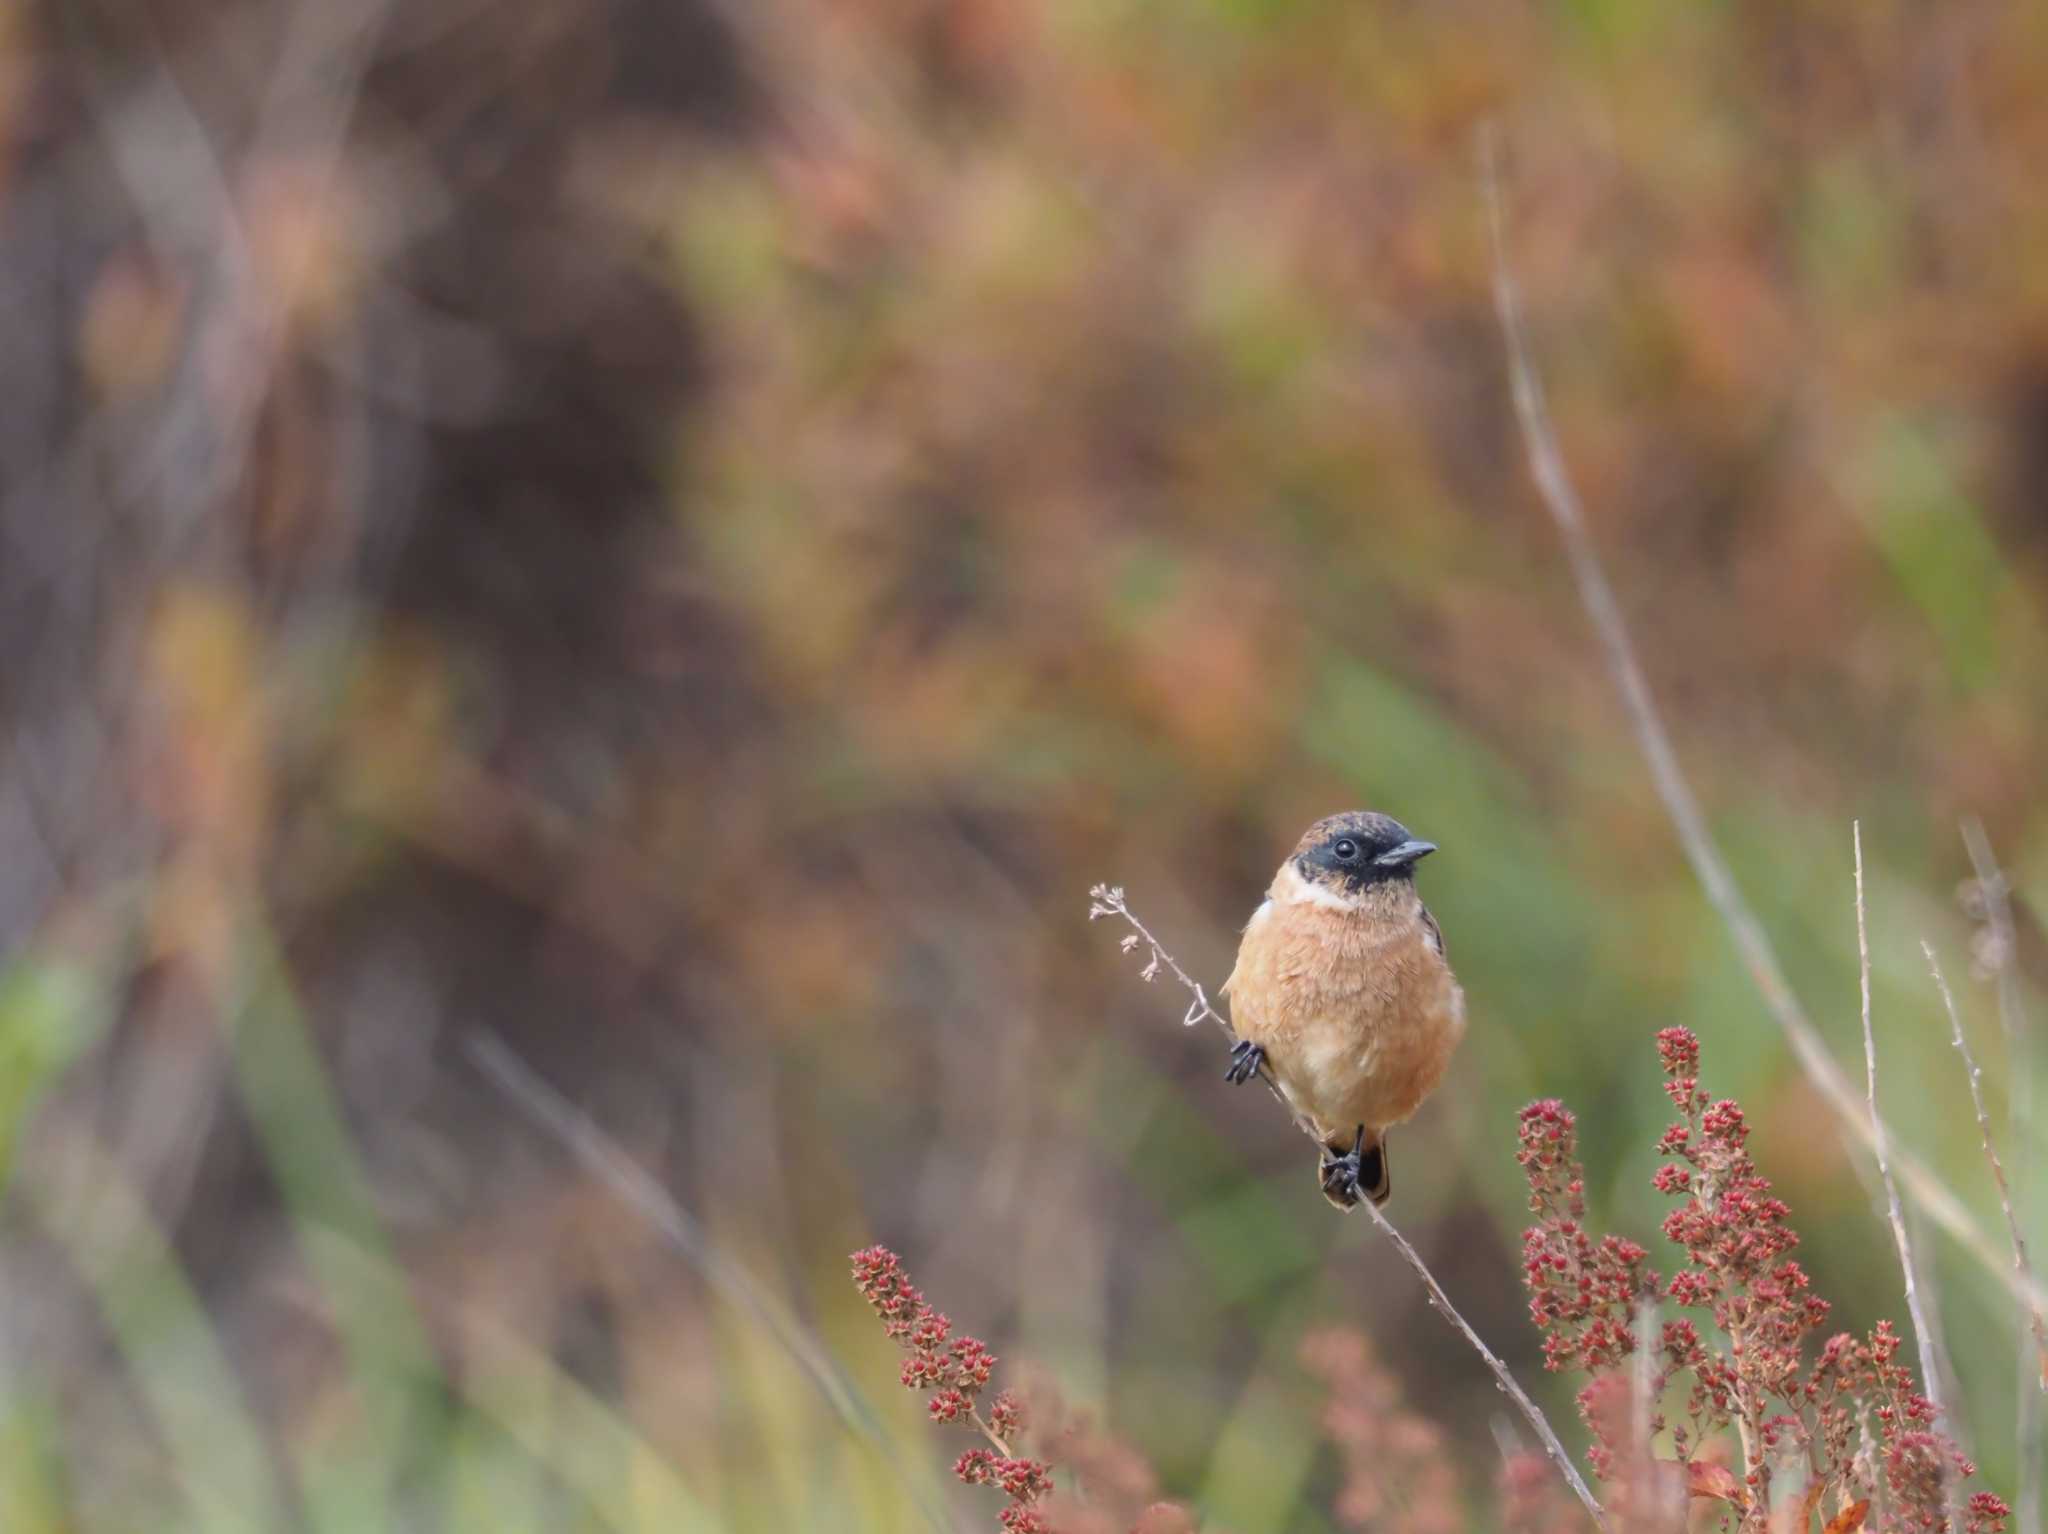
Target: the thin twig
pixel 1930 1377
pixel 1108 900
pixel 1995 900
pixel 605 1159
pixel 1596 595
pixel 1441 1302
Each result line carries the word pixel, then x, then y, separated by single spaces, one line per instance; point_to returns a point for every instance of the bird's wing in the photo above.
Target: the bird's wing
pixel 1252 982
pixel 1258 919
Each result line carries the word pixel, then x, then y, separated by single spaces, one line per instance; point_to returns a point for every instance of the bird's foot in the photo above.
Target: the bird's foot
pixel 1340 1174
pixel 1245 1060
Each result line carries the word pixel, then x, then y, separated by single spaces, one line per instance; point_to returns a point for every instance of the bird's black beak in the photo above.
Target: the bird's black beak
pixel 1403 855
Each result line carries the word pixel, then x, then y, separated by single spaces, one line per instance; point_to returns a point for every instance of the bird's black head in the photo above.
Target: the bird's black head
pixel 1357 849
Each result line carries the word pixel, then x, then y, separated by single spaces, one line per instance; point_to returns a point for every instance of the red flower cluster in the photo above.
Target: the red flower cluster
pixel 1587 1296
pixel 1582 1292
pixel 956 1370
pixel 1118 1486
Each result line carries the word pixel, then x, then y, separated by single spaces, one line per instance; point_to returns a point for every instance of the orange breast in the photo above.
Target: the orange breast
pixel 1356 1009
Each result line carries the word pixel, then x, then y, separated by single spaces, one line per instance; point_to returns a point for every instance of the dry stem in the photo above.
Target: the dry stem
pixel 1108 900
pixel 1750 1405
pixel 1596 594
pixel 990 1433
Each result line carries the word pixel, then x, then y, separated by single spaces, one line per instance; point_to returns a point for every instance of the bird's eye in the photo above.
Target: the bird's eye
pixel 1347 849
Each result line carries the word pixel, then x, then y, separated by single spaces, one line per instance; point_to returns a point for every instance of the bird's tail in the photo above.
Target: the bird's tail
pixel 1375 1179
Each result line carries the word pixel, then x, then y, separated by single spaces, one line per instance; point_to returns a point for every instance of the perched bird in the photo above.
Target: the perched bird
pixel 1342 994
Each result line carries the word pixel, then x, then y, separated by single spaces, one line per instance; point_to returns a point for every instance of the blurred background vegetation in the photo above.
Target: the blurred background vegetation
pixel 684 535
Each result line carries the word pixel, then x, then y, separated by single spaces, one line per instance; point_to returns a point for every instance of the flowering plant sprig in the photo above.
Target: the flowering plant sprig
pixel 956 1370
pixel 1868 1437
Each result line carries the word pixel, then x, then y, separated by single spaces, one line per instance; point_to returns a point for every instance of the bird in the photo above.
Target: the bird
pixel 1343 997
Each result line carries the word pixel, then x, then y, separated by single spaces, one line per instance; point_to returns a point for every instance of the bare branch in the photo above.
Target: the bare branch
pixel 1596 595
pixel 1930 1375
pixel 1108 900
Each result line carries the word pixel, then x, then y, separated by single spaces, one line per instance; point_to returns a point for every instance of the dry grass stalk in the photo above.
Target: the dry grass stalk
pixel 1990 902
pixel 1923 1334
pixel 2022 1264
pixel 1596 594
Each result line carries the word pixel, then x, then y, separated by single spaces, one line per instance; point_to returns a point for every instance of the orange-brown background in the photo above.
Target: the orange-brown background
pixel 686 535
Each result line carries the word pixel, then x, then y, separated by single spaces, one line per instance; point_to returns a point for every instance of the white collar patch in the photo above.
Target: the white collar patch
pixel 1292 889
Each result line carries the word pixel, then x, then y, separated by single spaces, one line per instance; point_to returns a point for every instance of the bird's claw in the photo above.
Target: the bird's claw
pixel 1341 1173
pixel 1245 1060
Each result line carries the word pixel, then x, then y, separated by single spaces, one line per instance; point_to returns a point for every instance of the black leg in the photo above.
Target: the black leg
pixel 1375 1173
pixel 1340 1174
pixel 1245 1060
